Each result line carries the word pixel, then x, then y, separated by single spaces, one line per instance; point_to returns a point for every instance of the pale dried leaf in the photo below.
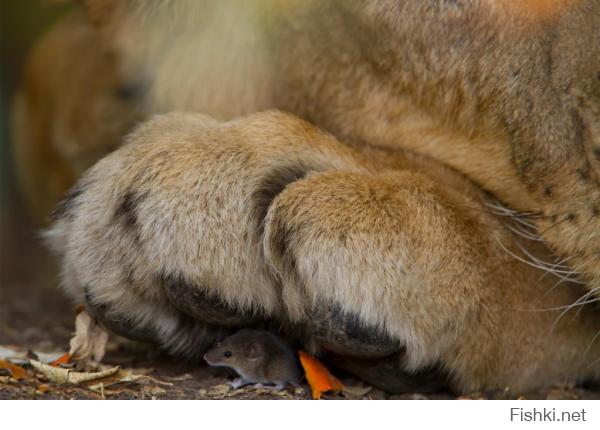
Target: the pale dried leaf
pixel 183 377
pixel 89 343
pixel 68 376
pixel 122 376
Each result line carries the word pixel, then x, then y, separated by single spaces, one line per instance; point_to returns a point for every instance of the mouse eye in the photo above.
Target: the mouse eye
pixel 227 354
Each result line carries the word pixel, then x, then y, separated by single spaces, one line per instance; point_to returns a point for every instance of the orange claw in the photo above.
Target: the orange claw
pixel 63 359
pixel 318 376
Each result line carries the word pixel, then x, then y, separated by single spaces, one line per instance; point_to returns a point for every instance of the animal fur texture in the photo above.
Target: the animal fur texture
pixel 439 196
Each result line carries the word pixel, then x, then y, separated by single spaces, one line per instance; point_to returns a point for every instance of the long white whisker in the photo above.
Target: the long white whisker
pixel 522 221
pixel 558 264
pixel 593 363
pixel 560 281
pixel 548 266
pixel 535 265
pixel 589 347
pixel 520 232
pixel 577 303
pixel 571 306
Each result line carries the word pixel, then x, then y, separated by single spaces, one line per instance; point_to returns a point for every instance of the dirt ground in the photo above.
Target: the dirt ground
pixel 35 316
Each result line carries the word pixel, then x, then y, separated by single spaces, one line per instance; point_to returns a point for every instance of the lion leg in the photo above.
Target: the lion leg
pixel 394 262
pixel 196 227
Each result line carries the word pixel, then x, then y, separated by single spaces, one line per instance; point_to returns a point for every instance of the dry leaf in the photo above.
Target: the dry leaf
pixel 318 376
pixel 22 356
pixel 63 359
pixel 46 357
pixel 17 372
pixel 183 377
pixel 68 376
pixel 120 377
pixel 154 390
pixel 88 346
pixel 221 389
pixel 43 388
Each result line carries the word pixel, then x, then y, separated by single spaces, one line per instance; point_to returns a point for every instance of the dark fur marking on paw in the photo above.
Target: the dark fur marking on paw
pixel 548 191
pixel 194 301
pixel 92 305
pixel 125 212
pixel 344 333
pixel 270 186
pixel 67 206
pixel 388 374
pixel 192 338
pixel 280 247
pixel 118 324
pixel 597 153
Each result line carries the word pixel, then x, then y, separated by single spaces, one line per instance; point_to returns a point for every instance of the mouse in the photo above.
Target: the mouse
pixel 259 357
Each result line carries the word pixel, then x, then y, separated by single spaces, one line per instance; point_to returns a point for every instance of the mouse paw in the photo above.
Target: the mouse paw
pixel 88 345
pixel 239 383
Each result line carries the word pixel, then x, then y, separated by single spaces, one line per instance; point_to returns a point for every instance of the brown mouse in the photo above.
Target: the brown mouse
pixel 259 357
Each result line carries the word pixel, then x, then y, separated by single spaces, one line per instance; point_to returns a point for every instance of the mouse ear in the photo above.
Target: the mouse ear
pixel 254 350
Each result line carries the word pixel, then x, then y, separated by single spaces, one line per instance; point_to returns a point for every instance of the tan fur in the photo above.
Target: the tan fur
pixel 437 103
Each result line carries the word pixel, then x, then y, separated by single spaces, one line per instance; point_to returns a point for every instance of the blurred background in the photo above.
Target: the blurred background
pixel 22 22
pixel 32 308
